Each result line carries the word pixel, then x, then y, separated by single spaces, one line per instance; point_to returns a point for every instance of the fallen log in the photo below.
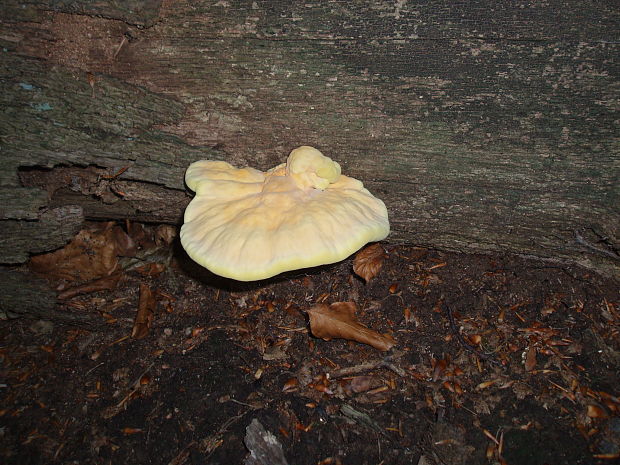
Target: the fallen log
pixel 484 128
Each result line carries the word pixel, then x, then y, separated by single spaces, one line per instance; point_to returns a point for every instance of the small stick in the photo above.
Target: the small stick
pixel 118 49
pixel 135 386
pixel 467 345
pixel 357 369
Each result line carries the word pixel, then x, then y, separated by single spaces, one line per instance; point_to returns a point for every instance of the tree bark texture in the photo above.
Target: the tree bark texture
pixel 484 126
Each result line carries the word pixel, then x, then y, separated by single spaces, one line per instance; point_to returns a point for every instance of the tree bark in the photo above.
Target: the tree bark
pixel 484 127
pixel 24 295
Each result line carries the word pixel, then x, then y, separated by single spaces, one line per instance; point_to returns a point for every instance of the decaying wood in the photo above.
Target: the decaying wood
pixel 484 127
pixel 23 294
pixel 264 448
pixel 53 229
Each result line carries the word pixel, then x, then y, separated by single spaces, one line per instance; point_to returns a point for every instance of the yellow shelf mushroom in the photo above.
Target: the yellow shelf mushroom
pixel 246 224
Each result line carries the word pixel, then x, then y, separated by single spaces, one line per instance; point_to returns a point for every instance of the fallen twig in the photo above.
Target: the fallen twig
pixel 357 369
pixel 467 345
pixel 134 387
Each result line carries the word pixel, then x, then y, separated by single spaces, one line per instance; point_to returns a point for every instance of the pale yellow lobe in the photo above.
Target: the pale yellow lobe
pixel 246 225
pixel 310 168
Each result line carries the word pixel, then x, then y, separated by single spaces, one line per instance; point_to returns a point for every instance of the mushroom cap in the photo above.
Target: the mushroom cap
pixel 246 224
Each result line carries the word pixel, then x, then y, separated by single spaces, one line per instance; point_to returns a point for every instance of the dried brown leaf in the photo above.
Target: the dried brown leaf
pixel 128 430
pixel 92 254
pixel 439 366
pixel 151 269
pixel 363 383
pixel 458 389
pixel 338 320
pixel 291 385
pixel 486 384
pixel 165 234
pixel 368 262
pixel 530 358
pixel 141 235
pixel 594 411
pixel 146 308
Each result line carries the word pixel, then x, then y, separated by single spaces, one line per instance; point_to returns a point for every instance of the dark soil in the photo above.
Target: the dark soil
pixel 526 375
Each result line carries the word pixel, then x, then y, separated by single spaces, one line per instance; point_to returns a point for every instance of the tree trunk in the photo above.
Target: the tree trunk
pixel 484 126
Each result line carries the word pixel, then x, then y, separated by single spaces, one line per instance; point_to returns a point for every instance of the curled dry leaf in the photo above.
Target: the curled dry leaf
pixel 291 385
pixel 338 320
pixel 368 261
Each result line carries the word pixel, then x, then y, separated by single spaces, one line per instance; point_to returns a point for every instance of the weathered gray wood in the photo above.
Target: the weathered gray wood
pixel 138 12
pixel 21 294
pixel 485 126
pixel 53 229
pixel 21 203
pixel 50 119
pixel 141 202
pixel 24 295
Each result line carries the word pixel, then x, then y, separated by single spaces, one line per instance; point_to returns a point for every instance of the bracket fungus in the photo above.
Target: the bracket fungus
pixel 246 224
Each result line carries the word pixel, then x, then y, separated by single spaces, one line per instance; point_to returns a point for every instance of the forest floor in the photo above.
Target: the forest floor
pixel 496 360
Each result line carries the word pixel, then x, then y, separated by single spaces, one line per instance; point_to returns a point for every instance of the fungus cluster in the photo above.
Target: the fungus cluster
pixel 246 224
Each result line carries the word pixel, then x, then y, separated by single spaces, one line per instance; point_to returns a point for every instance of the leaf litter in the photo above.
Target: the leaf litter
pixel 368 261
pixel 338 320
pixel 499 360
